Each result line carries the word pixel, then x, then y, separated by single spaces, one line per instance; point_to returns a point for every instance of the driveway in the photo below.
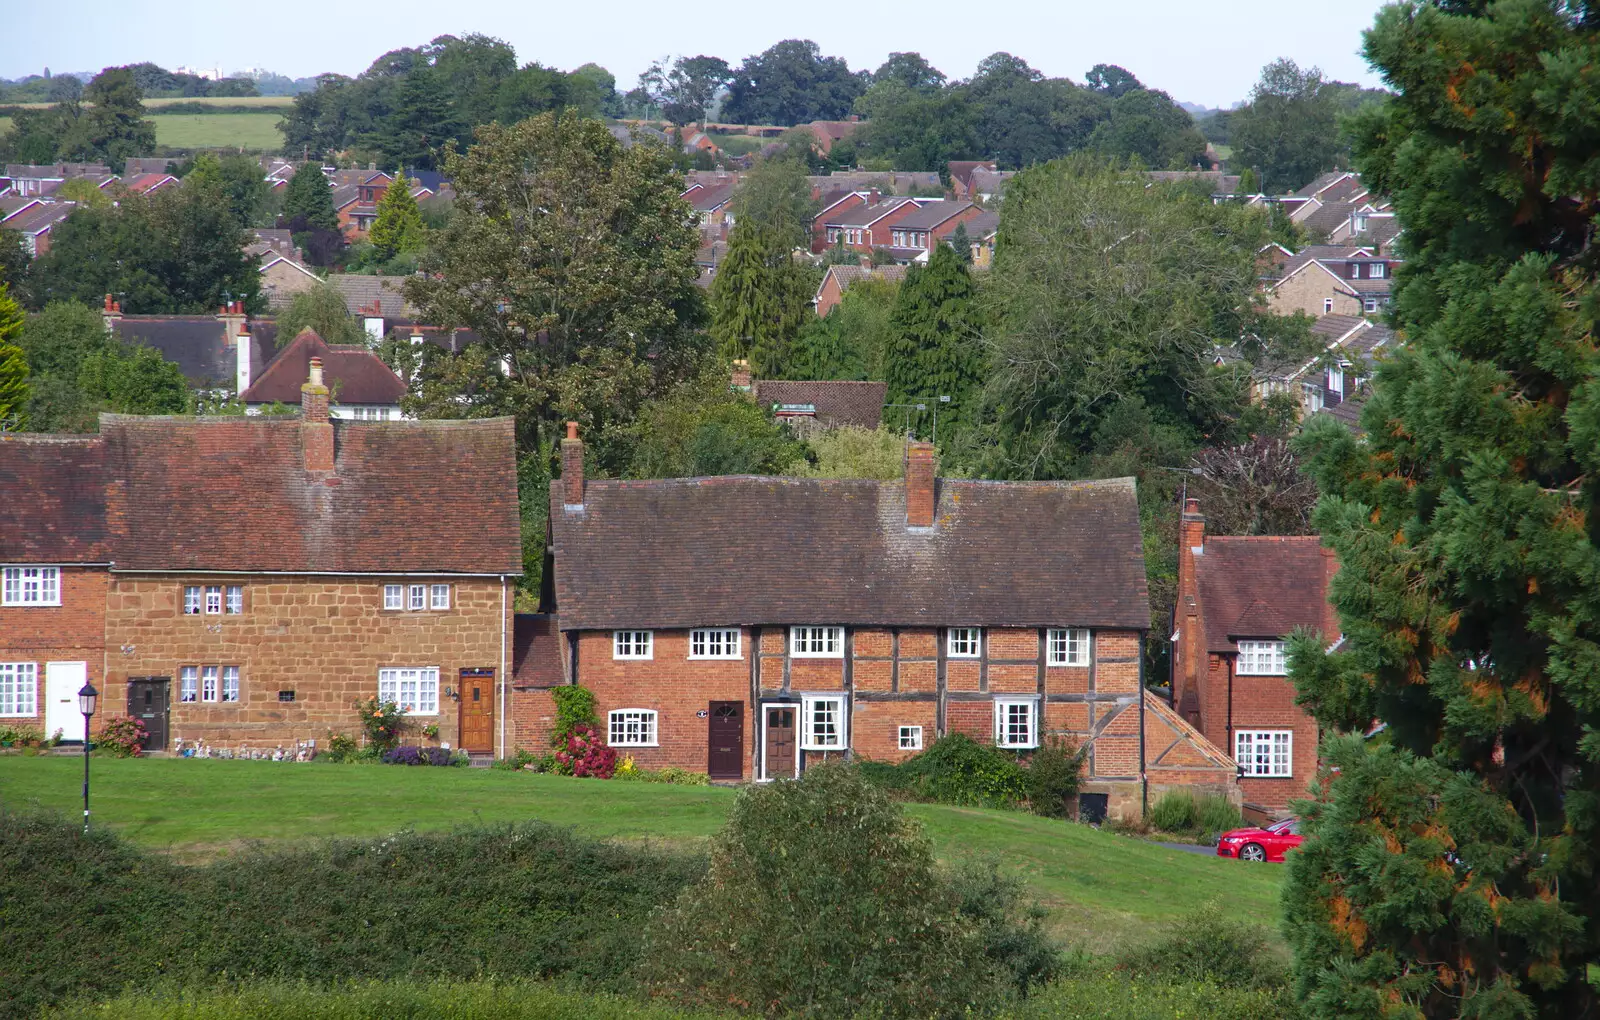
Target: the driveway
pixel 1191 848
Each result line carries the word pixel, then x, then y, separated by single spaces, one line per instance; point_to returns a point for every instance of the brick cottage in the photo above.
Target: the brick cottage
pixel 1239 598
pixel 246 580
pixel 750 626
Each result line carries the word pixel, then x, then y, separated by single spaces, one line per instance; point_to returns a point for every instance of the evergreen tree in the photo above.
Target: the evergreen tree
pixel 759 299
pixel 308 196
pixel 13 365
pixel 961 242
pixel 399 228
pixel 934 351
pixel 1451 868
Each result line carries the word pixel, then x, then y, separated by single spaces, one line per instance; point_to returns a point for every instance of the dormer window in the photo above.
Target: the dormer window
pixel 1378 270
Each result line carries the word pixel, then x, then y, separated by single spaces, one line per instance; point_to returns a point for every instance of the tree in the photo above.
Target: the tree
pixel 687 89
pixel 307 198
pixel 1023 118
pixel 1111 81
pixel 13 366
pixel 1150 127
pixel 775 198
pixel 934 351
pixel 1255 488
pixel 421 121
pixel 1289 131
pixel 910 71
pixel 238 179
pixel 852 341
pixel 706 428
pixel 759 298
pixel 851 452
pixel 134 379
pixel 916 130
pixel 791 83
pixel 398 229
pixel 961 243
pixel 1450 867
pixel 322 310
pixel 56 342
pixel 113 127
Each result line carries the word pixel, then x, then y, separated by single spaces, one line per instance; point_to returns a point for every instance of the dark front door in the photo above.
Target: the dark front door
pixel 477 710
pixel 780 742
pixel 148 703
pixel 725 758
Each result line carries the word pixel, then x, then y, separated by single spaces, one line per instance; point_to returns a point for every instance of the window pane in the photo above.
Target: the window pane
pixel 230 683
pixel 441 596
pixel 419 595
pixel 235 599
pixel 188 683
pixel 208 683
pixel 213 599
pixel 191 600
pixel 18 688
pixel 393 596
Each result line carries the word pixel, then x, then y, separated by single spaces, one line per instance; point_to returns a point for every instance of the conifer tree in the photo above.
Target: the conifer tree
pixel 1451 869
pixel 759 299
pixel 307 194
pixel 934 350
pixel 13 365
pixel 399 228
pixel 961 243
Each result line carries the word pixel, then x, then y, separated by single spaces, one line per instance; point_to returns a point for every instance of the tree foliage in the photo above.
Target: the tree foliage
pixel 1254 488
pixel 238 179
pixel 686 89
pixel 706 428
pixel 13 365
pixel 934 351
pixel 322 310
pixel 852 341
pixel 759 299
pixel 1451 870
pixel 1290 131
pixel 105 123
pixel 791 83
pixel 398 229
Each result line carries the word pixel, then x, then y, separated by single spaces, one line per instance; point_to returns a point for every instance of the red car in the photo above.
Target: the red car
pixel 1268 844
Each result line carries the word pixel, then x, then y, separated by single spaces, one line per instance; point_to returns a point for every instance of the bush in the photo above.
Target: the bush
pixel 671 774
pixel 425 756
pixel 824 900
pixel 1054 775
pixel 342 747
pixel 586 755
pixel 518 759
pixel 574 708
pixel 21 736
pixel 1097 994
pixel 959 770
pixel 95 915
pixel 122 737
pixel 382 721
pixel 1181 812
pixel 1208 945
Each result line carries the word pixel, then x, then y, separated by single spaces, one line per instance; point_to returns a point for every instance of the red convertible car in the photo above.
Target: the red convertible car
pixel 1266 844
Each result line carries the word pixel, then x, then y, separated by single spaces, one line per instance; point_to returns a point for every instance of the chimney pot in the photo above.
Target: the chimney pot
pixel 919 485
pixel 572 467
pixel 108 302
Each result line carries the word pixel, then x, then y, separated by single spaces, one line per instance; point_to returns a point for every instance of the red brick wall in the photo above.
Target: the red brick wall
pixel 1267 703
pixel 71 632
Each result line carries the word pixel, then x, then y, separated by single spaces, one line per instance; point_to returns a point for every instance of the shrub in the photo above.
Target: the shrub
pixel 1181 812
pixel 20 736
pixel 342 747
pixel 518 758
pixel 1054 775
pixel 671 774
pixel 424 756
pixel 92 916
pixel 1208 945
pixel 574 708
pixel 1102 994
pixel 1174 812
pixel 586 755
pixel 122 737
pixel 959 770
pixel 382 721
pixel 824 900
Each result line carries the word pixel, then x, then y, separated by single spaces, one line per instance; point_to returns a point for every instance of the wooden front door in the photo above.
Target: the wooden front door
pixel 149 701
pixel 725 757
pixel 477 710
pixel 779 752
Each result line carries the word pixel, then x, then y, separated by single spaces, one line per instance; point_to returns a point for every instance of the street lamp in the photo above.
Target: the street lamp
pixel 86 700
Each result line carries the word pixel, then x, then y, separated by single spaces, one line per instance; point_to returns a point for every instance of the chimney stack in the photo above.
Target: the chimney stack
pixel 572 467
pixel 919 485
pixel 316 432
pixel 241 361
pixel 742 379
pixel 873 196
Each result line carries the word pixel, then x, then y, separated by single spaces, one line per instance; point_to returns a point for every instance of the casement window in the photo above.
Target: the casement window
pixel 631 727
pixel 964 642
pixel 1067 646
pixel 816 642
pixel 1378 269
pixel 208 683
pixel 234 604
pixel 911 738
pixel 230 683
pixel 418 597
pixel 632 644
pixel 213 600
pixel 189 684
pixel 822 723
pixel 415 690
pixel 439 597
pixel 1369 304
pixel 1016 722
pixel 19 688
pixel 1262 658
pixel 394 596
pixel 1327 306
pixel 191 600
pixel 714 643
pixel 31 586
pixel 1265 752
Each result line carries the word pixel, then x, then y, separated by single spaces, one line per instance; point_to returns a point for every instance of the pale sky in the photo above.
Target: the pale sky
pixel 1208 53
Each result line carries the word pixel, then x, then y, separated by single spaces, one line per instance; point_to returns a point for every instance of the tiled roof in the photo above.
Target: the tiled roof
pixel 983 224
pixel 40 217
pixel 710 197
pixel 1331 215
pixel 743 550
pixel 1321 252
pixel 991 182
pixel 1219 182
pixel 134 165
pixel 961 169
pixel 364 292
pixel 345 195
pixel 54 498
pixel 863 215
pixel 1322 182
pixel 1335 327
pixel 233 494
pixel 197 344
pixel 847 275
pixel 1262 587
pixel 10 205
pixel 355 375
pixel 837 402
pixel 536 651
pixel 931 214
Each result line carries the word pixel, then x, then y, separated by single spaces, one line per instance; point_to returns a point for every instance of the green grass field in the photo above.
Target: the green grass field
pixel 1101 889
pixel 219 130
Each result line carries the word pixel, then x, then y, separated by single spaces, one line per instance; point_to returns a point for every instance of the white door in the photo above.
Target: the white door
pixel 62 681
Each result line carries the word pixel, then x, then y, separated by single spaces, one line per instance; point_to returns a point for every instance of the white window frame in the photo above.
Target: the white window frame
pixel 1265 754
pixel 1262 658
pixel 233 600
pixel 423 696
pixel 911 738
pixel 1327 306
pixel 1378 271
pixel 417 599
pixel 31 586
pixel 816 642
pixel 964 643
pixel 19 689
pixel 230 683
pixel 1369 304
pixel 439 596
pixel 1067 646
pixel 714 643
pixel 193 600
pixel 1002 719
pixel 210 682
pixel 394 597
pixel 839 740
pixel 633 727
pixel 188 684
pixel 213 600
pixel 633 645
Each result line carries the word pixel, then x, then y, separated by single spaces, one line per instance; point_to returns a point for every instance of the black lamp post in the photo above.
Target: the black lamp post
pixel 86 700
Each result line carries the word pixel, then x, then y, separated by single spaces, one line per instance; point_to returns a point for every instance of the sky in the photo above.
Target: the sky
pixel 1207 53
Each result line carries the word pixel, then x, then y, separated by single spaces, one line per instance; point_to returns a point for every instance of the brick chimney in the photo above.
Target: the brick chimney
pixel 1189 656
pixel 232 316
pixel 111 312
pixel 873 196
pixel 572 467
pixel 919 485
pixel 742 379
pixel 316 432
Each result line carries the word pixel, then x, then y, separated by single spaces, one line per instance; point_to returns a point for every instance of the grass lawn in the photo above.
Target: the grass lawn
pixel 1101 889
pixel 219 130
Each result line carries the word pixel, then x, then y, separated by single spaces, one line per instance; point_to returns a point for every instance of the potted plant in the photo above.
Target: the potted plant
pixel 431 731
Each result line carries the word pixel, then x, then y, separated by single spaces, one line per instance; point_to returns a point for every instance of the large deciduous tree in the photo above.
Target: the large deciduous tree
pixel 791 83
pixel 1451 869
pixel 1289 131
